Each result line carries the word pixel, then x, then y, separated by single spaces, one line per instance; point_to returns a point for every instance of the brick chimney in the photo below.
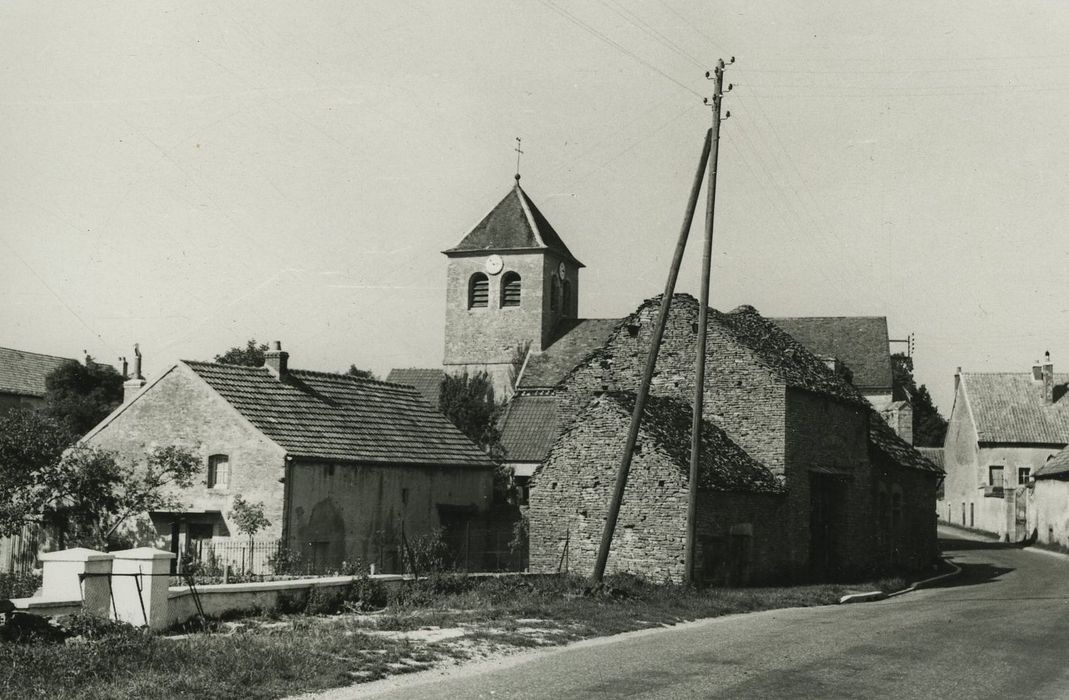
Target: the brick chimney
pixel 1048 379
pixel 136 381
pixel 277 360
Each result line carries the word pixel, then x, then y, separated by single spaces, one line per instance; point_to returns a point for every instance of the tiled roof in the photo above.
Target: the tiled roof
pixel 1009 407
pixel 1057 467
pixel 860 342
pixel 886 441
pixel 574 340
pixel 723 466
pixel 337 417
pixel 428 382
pixel 23 373
pixel 933 455
pixel 515 223
pixel 529 428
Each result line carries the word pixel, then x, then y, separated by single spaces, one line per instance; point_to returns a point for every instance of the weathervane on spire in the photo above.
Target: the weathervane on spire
pixel 518 154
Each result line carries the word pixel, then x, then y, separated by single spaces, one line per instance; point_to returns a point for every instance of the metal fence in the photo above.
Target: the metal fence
pixel 239 556
pixel 18 553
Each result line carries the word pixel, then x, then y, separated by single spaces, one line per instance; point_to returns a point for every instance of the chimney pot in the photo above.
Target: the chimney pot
pixel 136 382
pixel 1048 380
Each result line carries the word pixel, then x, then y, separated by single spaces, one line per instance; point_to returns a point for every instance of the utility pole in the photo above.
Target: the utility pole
pixel 717 75
pixel 651 364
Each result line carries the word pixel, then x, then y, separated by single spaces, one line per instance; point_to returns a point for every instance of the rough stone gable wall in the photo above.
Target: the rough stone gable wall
pixel 742 397
pixel 181 409
pixel 570 495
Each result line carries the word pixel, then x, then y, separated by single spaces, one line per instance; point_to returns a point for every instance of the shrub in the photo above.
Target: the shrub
pixel 95 627
pixel 19 585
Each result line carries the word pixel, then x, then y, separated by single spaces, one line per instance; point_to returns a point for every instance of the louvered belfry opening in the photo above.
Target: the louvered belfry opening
pixel 478 291
pixel 510 289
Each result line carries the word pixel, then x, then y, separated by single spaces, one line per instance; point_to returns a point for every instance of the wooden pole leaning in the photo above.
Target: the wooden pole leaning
pixel 651 363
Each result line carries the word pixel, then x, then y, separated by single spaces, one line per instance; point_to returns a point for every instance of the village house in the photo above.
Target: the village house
pixel 22 377
pixel 1003 430
pixel 853 498
pixel 343 465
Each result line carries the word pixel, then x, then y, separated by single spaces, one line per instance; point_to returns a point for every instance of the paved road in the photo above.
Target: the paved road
pixel 998 630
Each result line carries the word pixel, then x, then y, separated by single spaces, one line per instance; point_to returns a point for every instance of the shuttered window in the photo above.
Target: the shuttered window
pixel 218 472
pixel 478 291
pixel 510 289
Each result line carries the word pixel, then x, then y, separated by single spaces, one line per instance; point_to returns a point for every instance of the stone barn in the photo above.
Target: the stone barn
pixel 570 493
pixel 857 499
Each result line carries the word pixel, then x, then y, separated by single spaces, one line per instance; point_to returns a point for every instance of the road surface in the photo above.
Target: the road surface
pixel 1000 629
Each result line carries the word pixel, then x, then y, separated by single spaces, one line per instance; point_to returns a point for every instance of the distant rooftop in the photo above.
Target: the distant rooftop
pixel 859 342
pixel 1009 407
pixel 23 373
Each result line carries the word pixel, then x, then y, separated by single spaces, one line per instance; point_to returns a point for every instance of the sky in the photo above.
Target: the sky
pixel 189 175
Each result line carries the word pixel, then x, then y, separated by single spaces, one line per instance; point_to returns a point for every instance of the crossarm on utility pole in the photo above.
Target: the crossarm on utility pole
pixel 651 364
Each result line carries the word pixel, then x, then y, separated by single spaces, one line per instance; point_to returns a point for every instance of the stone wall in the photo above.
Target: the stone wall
pixel 182 410
pixel 744 398
pixel 354 512
pixel 1049 514
pixel 570 495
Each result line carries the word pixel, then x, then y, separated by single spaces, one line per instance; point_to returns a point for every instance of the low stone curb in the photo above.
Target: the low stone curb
pixel 862 597
pixel 879 595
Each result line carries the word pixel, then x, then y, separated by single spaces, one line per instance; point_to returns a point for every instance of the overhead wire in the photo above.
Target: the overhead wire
pixel 615 44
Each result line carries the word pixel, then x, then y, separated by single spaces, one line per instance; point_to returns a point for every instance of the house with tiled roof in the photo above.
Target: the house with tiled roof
pixel 22 377
pixel 428 382
pixel 343 465
pixel 855 497
pixel 1004 435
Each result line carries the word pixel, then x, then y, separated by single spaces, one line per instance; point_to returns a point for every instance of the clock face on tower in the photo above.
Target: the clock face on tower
pixel 561 270
pixel 494 264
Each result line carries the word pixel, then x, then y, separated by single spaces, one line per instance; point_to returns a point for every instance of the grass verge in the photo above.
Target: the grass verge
pixel 444 619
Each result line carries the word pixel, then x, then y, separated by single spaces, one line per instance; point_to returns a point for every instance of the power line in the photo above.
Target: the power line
pixel 615 44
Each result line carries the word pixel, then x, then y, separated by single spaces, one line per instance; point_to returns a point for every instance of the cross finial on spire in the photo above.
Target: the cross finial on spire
pixel 519 153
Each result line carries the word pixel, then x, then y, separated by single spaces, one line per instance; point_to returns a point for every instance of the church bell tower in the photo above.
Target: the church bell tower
pixel 510 282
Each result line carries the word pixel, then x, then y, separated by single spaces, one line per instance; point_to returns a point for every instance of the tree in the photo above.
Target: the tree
pixel 82 494
pixel 468 402
pixel 80 396
pixel 355 371
pixel 252 355
pixel 249 517
pixel 929 426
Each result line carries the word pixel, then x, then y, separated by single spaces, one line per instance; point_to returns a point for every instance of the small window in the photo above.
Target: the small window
pixel 1023 474
pixel 478 291
pixel 510 289
pixel 218 472
pixel 566 298
pixel 404 497
pixel 996 477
